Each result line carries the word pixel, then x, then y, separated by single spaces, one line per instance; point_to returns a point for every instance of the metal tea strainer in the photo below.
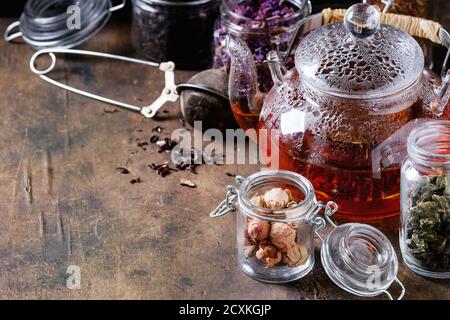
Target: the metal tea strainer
pixel 170 93
pixel 44 26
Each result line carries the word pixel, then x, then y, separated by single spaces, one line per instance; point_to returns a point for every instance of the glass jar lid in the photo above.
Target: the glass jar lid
pixel 359 58
pixel 359 259
pixel 61 23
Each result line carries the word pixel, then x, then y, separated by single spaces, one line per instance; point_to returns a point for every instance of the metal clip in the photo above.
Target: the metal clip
pixel 169 92
pixel 226 205
pixel 9 36
pixel 402 294
pixel 319 222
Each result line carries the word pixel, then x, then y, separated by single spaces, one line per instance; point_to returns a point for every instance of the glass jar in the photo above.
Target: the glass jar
pixel 277 220
pixel 262 30
pixel 178 31
pixel 425 201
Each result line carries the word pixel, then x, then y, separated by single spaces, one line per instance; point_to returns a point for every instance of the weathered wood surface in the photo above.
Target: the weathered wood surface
pixel 63 203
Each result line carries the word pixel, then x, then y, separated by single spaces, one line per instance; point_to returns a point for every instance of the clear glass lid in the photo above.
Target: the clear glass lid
pixel 359 58
pixel 61 23
pixel 359 259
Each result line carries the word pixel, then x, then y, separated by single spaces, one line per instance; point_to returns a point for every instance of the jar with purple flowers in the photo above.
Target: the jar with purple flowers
pixel 264 25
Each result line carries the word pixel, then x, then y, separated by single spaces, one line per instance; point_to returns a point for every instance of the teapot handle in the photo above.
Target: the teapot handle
pixel 416 27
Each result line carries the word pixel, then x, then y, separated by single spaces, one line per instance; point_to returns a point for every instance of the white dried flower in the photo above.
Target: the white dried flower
pixel 296 256
pixel 282 236
pixel 258 201
pixel 277 198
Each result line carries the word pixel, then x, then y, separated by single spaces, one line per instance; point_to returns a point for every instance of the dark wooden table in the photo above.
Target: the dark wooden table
pixel 64 204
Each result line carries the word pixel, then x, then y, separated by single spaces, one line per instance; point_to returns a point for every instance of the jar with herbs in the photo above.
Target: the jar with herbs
pixel 264 25
pixel 277 220
pixel 175 30
pixel 425 201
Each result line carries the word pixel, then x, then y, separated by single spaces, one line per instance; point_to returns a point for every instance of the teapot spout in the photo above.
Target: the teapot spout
pixel 243 84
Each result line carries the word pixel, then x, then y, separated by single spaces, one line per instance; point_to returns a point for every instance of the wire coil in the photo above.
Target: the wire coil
pixel 44 23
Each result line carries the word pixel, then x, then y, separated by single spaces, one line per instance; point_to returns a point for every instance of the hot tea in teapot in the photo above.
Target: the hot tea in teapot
pixel 341 117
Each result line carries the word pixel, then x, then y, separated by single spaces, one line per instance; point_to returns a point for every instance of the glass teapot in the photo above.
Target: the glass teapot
pixel 342 115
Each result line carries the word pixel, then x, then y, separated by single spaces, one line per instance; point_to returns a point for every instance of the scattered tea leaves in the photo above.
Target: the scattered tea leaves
pixel 142 144
pixel 136 180
pixel 162 169
pixel 166 144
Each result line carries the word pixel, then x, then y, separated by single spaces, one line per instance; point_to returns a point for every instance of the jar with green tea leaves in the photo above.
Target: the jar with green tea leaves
pixel 425 200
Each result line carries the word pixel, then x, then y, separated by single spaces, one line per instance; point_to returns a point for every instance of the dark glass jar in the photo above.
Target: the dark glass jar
pixel 178 31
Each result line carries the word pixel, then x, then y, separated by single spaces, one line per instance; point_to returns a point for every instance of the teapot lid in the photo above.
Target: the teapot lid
pixel 359 58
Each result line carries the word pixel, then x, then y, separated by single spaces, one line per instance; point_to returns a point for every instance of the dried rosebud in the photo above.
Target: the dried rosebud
pixel 250 250
pixel 282 236
pixel 292 204
pixel 250 246
pixel 269 254
pixel 295 256
pixel 258 230
pixel 258 201
pixel 277 198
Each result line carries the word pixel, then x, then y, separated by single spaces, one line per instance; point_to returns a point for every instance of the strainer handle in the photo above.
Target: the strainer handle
pixel 9 36
pixel 168 94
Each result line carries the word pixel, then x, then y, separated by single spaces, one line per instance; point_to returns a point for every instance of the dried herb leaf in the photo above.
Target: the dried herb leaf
pixel 136 180
pixel 428 225
pixel 122 170
pixel 187 183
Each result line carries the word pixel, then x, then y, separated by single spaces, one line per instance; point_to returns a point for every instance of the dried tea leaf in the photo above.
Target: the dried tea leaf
pixel 122 170
pixel 187 183
pixel 154 139
pixel 428 225
pixel 113 110
pixel 136 180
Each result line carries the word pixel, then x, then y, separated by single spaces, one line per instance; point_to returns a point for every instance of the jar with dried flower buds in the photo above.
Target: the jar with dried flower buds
pixel 275 241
